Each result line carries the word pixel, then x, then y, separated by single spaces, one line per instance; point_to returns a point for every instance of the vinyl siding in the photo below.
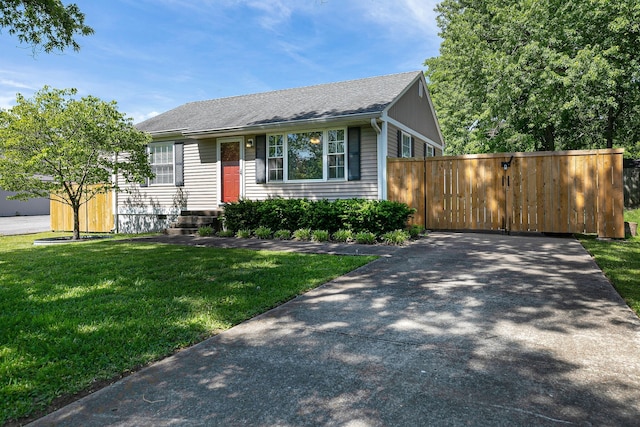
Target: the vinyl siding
pixel 392 151
pixel 415 112
pixel 366 188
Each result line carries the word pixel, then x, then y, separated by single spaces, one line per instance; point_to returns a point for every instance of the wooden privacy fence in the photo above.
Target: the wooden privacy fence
pixel 96 215
pixel 550 192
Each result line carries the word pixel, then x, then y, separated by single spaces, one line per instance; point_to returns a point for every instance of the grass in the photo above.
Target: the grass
pixel 74 315
pixel 620 262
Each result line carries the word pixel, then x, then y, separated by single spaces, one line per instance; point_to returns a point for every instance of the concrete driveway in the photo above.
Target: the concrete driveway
pixel 456 329
pixel 11 225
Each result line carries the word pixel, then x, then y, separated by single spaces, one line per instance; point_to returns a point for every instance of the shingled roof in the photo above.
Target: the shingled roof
pixel 320 102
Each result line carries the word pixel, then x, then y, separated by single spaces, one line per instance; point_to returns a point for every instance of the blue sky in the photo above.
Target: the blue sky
pixel 153 55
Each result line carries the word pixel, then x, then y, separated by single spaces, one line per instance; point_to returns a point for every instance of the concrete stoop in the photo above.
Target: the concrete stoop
pixel 189 222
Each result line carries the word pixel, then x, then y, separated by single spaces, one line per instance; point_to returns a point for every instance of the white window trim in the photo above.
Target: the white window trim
pixel 403 136
pixel 325 156
pixel 173 164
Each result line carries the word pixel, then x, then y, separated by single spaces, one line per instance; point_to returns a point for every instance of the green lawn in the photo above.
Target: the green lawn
pixel 74 315
pixel 620 261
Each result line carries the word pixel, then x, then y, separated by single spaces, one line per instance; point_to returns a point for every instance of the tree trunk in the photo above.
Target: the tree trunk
pixel 76 221
pixel 549 139
pixel 611 119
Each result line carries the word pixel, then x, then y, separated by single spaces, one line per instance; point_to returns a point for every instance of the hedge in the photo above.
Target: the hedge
pixel 357 215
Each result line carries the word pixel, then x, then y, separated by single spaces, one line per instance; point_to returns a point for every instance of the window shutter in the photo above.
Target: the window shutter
pixel 399 143
pixel 178 172
pixel 145 181
pixel 413 147
pixel 353 147
pixel 261 159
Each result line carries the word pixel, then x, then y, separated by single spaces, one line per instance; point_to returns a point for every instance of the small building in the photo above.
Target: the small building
pixel 326 141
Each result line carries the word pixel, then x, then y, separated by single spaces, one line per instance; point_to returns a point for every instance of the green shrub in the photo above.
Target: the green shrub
pixel 205 231
pixel 396 237
pixel 415 231
pixel 293 214
pixel 282 235
pixel 365 238
pixel 320 235
pixel 263 233
pixel 226 233
pixel 303 234
pixel 243 233
pixel 343 236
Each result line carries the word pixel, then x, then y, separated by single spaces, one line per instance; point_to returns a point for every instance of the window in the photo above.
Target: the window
pixel 304 156
pixel 431 151
pixel 276 157
pixel 161 160
pixel 406 145
pixel 336 153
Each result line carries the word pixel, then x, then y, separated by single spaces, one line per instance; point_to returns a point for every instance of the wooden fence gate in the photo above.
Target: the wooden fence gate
pixel 550 192
pixel 96 215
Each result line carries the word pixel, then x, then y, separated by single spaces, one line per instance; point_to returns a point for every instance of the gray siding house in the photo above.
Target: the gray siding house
pixel 326 141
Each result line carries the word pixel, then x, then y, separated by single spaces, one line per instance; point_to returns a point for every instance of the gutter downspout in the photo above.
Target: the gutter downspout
pixel 380 155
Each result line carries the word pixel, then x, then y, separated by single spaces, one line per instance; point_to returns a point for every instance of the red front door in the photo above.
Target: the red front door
pixel 230 162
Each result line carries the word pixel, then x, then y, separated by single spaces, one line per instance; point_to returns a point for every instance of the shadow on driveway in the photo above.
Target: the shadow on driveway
pixel 455 329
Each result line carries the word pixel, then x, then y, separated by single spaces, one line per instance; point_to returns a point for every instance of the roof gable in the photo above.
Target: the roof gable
pixel 320 102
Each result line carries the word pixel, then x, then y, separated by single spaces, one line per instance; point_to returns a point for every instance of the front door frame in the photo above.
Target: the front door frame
pixel 219 142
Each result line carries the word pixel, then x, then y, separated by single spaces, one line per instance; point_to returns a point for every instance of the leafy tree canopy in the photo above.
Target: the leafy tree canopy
pixel 45 23
pixel 526 75
pixel 57 144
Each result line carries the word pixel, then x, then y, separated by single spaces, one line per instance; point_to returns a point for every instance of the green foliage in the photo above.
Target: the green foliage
pixel 343 236
pixel 243 233
pixel 263 232
pixel 79 143
pixel 293 214
pixel 44 23
pixel 320 235
pixel 396 237
pixel 620 261
pixel 282 235
pixel 632 215
pixel 205 231
pixel 415 231
pixel 72 315
pixel 303 234
pixel 365 238
pixel 226 233
pixel 537 75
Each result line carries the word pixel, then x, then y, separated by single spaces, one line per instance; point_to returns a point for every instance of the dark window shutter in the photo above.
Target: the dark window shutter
pixel 178 152
pixel 145 182
pixel 261 159
pixel 413 147
pixel 399 143
pixel 353 144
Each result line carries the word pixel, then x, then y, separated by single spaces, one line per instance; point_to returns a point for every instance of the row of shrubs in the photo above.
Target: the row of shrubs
pixel 395 237
pixel 356 215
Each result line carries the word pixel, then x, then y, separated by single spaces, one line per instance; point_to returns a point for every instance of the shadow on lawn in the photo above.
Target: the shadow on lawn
pixel 78 315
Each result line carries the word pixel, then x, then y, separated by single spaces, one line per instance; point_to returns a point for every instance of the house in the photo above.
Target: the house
pixel 327 141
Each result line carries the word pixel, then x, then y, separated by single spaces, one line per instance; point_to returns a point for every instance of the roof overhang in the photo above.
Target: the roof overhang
pixel 265 127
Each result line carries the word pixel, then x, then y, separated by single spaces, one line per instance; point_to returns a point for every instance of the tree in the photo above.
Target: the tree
pixel 46 23
pixel 80 144
pixel 524 75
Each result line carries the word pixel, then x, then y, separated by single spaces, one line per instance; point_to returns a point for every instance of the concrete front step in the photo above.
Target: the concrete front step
pixel 180 231
pixel 197 220
pixel 209 212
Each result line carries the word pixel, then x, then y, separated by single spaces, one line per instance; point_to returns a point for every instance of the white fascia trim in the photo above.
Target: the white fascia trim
pixel 407 129
pixel 278 125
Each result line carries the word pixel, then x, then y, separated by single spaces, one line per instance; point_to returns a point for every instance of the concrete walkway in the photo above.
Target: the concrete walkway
pixel 11 225
pixel 456 329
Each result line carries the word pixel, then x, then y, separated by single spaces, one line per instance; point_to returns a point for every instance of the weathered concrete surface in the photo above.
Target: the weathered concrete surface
pixel 456 329
pixel 11 225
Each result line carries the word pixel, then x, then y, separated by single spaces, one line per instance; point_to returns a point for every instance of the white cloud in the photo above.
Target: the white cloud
pixel 140 117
